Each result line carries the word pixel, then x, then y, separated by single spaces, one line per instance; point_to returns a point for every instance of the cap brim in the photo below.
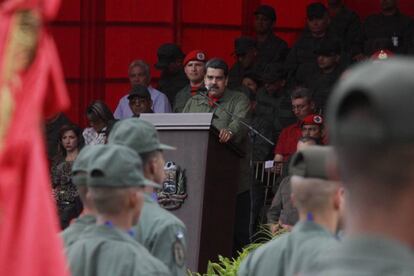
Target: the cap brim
pixel 166 147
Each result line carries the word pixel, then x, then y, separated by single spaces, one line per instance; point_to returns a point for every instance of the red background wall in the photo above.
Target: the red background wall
pixel 98 38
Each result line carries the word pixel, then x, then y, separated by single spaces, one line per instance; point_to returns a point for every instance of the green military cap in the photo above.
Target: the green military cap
pixel 116 166
pixel 387 90
pixel 137 134
pixel 311 162
pixel 80 165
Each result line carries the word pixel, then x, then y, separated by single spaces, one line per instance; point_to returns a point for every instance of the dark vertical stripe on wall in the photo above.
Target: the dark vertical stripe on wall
pixel 92 63
pixel 248 8
pixel 177 22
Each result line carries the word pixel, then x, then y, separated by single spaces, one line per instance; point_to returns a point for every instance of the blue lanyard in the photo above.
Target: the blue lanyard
pixel 309 216
pixel 111 225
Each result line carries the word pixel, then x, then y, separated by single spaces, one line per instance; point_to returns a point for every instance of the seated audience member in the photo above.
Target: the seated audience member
pixel 140 100
pixel 115 184
pixel 170 63
pixel 69 206
pixel 100 120
pixel 312 126
pixel 271 49
pixel 390 29
pixel 282 213
pixel 346 25
pixel 322 80
pixel 301 60
pixel 245 51
pixel 194 68
pixel 139 74
pixel 319 204
pixel 52 128
pixel 302 106
pixel 251 83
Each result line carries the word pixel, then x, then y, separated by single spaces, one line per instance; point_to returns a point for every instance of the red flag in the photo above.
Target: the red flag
pixel 31 86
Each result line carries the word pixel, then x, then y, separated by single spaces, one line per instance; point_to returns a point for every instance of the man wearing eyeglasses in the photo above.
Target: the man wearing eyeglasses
pixel 302 106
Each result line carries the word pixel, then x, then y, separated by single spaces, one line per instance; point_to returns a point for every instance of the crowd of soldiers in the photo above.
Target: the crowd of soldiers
pixel 346 207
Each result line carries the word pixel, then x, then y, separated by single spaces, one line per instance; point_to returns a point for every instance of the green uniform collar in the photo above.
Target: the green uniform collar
pixel 310 226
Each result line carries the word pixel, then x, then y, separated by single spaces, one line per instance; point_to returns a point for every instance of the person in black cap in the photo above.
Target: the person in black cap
pixel 369 122
pixel 170 63
pixel 245 51
pixel 389 30
pixel 271 48
pixel 329 70
pixel 140 100
pixel 273 112
pixel 301 60
pixel 347 25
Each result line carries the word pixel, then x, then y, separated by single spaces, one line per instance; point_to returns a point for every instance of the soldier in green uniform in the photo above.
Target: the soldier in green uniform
pixel 301 60
pixel 318 201
pixel 194 68
pixel 79 170
pixel 108 248
pixel 158 230
pixel 245 51
pixel 369 123
pixel 273 112
pixel 170 63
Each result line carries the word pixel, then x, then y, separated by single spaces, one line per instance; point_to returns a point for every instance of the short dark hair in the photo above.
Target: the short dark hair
pixel 98 110
pixel 218 63
pixel 301 92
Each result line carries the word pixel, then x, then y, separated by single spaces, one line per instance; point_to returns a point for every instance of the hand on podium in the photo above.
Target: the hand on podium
pixel 225 135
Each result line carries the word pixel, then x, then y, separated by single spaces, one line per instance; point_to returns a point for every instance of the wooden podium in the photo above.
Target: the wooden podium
pixel 212 171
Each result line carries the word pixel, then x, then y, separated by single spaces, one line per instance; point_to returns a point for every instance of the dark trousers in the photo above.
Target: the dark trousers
pixel 257 198
pixel 242 221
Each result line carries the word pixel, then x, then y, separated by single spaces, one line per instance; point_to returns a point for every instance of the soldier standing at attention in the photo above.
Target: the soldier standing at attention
pixel 318 201
pixel 170 63
pixel 389 29
pixel 194 63
pixel 108 248
pixel 301 61
pixel 245 51
pixel 162 233
pixel 369 118
pixel 270 48
pixel 79 178
pixel 347 25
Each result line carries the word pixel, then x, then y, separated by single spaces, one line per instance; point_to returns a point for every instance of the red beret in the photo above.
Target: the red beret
pixel 381 55
pixel 195 55
pixel 313 120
